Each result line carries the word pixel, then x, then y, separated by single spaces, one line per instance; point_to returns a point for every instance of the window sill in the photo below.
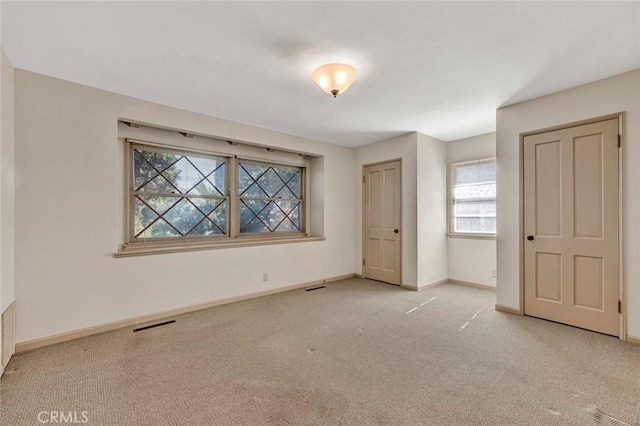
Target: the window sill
pixel 142 249
pixel 473 236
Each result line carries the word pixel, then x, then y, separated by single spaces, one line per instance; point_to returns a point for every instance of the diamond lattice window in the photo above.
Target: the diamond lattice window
pixel 178 195
pixel 270 198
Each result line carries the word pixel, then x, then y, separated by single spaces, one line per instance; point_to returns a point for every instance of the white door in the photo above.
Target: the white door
pixel 571 226
pixel 381 222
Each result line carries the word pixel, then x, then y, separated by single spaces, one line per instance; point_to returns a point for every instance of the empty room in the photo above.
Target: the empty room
pixel 320 213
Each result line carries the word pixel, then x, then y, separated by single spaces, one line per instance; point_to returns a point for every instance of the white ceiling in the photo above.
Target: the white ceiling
pixel 441 68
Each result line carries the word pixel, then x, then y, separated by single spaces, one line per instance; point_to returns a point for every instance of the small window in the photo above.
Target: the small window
pixel 472 198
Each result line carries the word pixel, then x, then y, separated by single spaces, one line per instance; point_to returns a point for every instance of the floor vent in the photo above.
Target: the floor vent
pixel 146 327
pixel 316 288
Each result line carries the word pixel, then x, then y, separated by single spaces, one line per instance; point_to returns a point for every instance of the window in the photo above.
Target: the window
pixel 270 198
pixel 178 195
pixel 472 198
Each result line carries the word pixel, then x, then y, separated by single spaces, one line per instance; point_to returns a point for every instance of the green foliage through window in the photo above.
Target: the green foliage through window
pixel 178 195
pixel 270 198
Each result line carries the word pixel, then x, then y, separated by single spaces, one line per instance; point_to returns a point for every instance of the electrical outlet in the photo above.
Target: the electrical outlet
pixel 265 277
pixel 494 274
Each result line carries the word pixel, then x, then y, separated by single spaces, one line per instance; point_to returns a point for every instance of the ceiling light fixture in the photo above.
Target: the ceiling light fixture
pixel 334 78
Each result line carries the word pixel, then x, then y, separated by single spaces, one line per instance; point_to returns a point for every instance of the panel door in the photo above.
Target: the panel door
pixel 381 210
pixel 571 226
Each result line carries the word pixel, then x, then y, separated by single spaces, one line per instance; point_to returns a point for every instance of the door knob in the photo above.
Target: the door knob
pixel 395 231
pixel 530 238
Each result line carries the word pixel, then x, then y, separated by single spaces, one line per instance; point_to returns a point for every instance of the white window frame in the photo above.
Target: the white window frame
pixel 234 152
pixel 450 201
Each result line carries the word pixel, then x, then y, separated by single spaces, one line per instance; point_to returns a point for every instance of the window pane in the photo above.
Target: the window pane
pixel 292 223
pixel 186 216
pixel 475 224
pixel 248 174
pixel 269 216
pixel 215 223
pixel 270 198
pixel 167 217
pixel 268 181
pixel 166 172
pixel 474 197
pixel 475 172
pixel 475 191
pixel 249 220
pixel 485 208
pixel 292 178
pixel 162 181
pixel 159 229
pixel 155 204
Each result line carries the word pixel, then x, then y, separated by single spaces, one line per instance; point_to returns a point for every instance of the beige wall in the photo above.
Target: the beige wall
pixel 403 147
pixel 423 229
pixel 472 260
pixel 7 293
pixel 69 215
pixel 432 210
pixel 611 95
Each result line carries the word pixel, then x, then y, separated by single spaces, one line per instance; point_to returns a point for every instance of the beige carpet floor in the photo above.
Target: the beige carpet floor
pixel 353 353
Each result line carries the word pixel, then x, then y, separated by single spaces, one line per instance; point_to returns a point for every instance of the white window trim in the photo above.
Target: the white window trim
pixel 450 232
pixel 234 152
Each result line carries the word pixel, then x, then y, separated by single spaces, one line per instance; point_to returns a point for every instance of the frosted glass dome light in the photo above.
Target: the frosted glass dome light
pixel 334 78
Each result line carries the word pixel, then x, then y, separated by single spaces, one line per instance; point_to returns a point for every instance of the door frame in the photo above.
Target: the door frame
pixel 621 203
pixel 362 243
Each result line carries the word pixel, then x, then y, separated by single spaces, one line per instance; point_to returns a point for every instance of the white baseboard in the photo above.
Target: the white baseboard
pixel 76 334
pixel 8 332
pixel 1 370
pixel 448 280
pixel 426 286
pixel 472 284
pixel 508 310
pixel 633 339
